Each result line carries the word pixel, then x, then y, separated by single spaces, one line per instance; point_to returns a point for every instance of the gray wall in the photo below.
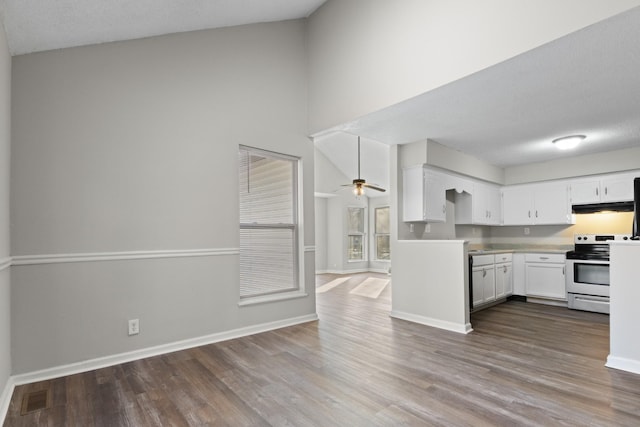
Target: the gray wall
pixel 132 146
pixel 5 144
pixel 366 55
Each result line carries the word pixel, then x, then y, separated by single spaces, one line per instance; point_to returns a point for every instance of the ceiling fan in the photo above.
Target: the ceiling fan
pixel 359 184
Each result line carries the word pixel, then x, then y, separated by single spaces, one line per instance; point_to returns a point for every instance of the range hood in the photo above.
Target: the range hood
pixel 603 207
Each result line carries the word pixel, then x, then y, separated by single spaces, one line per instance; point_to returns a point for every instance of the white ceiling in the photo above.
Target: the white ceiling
pixel 585 83
pixel 37 25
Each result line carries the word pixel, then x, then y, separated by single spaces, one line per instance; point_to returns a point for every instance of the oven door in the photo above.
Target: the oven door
pixel 588 277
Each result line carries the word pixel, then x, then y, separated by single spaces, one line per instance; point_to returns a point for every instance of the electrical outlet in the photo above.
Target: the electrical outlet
pixel 473 230
pixel 526 231
pixel 427 228
pixel 134 327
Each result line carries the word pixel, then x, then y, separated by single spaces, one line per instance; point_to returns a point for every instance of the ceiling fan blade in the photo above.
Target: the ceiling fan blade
pixel 373 187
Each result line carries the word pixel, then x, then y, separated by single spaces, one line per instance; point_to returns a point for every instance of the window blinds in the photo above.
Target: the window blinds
pixel 268 223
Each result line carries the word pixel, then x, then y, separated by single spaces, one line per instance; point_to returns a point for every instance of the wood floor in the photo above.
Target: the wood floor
pixel 524 365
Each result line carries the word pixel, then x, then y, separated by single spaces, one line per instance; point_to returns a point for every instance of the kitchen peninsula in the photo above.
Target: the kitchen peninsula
pixel 625 294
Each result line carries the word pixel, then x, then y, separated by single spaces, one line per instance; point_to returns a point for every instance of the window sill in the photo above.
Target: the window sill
pixel 381 260
pixel 272 298
pixel 351 261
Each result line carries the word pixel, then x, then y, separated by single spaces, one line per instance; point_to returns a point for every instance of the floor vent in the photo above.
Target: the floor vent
pixel 35 401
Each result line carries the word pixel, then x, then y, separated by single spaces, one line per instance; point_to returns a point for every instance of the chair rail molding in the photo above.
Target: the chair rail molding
pixel 116 256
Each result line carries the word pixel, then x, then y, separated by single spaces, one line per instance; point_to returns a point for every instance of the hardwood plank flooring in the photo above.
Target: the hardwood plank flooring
pixel 524 365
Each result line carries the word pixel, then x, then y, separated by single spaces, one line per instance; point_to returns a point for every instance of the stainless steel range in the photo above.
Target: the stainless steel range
pixel 588 272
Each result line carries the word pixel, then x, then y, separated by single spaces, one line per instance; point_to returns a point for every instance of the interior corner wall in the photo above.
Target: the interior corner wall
pixel 321 234
pixel 5 160
pixel 131 147
pixel 366 55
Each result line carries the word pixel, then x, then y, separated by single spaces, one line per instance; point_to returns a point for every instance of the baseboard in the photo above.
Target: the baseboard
pixel 5 399
pixel 547 301
pixel 461 328
pixel 623 364
pixel 360 270
pixel 103 362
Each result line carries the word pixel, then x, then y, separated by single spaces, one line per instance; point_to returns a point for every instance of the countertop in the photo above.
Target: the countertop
pixel 533 249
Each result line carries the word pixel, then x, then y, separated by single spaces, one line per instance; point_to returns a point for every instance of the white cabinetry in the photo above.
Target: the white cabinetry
pixel 504 275
pixel 604 189
pixel 536 204
pixel 482 206
pixel 545 276
pixel 491 278
pixel 483 279
pixel 424 196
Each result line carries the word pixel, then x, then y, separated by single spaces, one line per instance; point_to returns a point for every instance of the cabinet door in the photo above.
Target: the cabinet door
pixel 545 280
pixel 435 198
pixel 517 206
pixel 493 205
pixel 583 192
pixel 504 281
pixel 413 180
pixel 552 205
pixel 477 278
pixel 488 284
pixel 617 189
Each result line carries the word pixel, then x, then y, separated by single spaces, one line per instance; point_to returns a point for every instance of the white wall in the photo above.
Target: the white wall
pixel 5 280
pixel 366 55
pixel 132 146
pixel 590 164
pixel 321 232
pixel 624 350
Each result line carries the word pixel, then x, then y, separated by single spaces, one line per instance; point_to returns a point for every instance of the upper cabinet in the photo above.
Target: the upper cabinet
pixel 481 206
pixel 424 195
pixel 536 204
pixel 603 189
pixel 482 203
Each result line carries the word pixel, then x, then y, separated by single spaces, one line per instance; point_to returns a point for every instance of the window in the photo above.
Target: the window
pixel 355 234
pixel 382 227
pixel 268 222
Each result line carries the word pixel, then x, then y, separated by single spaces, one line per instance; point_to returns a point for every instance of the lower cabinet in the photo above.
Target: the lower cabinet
pixel 504 280
pixel 545 276
pixel 491 278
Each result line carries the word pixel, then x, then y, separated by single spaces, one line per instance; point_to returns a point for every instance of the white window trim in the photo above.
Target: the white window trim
pixel 375 235
pixel 300 291
pixel 364 234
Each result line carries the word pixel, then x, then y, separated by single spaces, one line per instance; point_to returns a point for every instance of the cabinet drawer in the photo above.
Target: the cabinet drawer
pixel 550 258
pixel 500 258
pixel 479 260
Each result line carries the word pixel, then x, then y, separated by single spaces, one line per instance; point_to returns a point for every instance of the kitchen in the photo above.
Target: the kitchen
pixel 531 258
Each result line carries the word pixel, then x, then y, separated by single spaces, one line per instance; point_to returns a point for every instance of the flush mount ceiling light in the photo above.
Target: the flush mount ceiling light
pixel 568 142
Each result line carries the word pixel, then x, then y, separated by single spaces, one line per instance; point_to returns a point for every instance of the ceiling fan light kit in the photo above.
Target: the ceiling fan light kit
pixel 359 184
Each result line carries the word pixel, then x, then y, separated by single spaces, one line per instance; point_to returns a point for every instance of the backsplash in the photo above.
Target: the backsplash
pixel 549 236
